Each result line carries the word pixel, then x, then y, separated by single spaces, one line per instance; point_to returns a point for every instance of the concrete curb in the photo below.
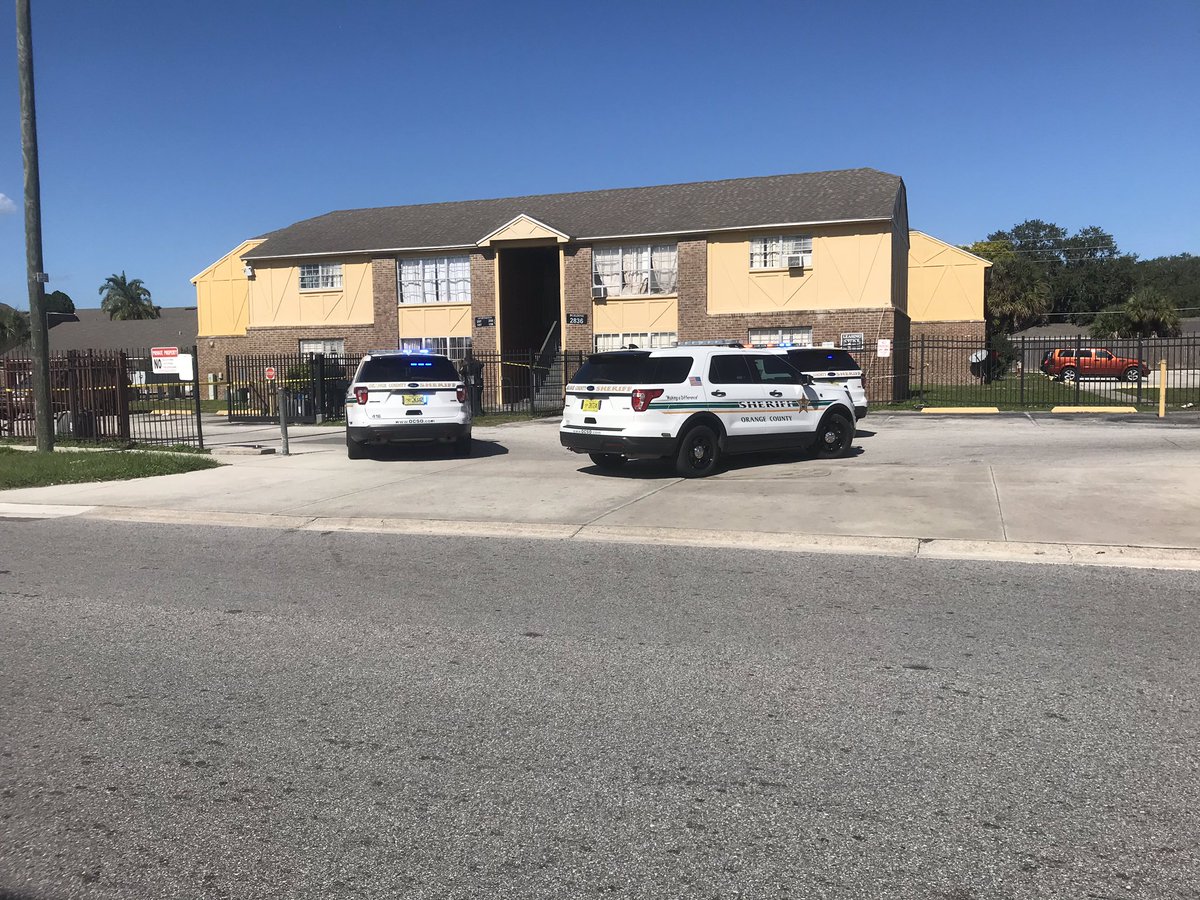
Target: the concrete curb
pixel 1176 558
pixel 961 410
pixel 1093 409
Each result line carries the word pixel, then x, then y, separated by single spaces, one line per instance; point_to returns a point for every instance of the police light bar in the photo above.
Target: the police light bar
pixel 714 343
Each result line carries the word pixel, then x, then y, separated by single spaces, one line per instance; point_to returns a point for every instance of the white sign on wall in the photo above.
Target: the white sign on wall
pixel 883 347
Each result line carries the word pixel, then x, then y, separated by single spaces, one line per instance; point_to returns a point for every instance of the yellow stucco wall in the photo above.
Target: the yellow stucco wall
pixel 276 298
pixel 636 316
pixel 851 269
pixel 440 320
pixel 945 283
pixel 222 294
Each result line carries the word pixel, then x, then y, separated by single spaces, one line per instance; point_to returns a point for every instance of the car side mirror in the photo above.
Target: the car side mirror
pixel 806 379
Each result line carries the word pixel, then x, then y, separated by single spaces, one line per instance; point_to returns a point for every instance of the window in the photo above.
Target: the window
pixel 773 370
pixel 775 337
pixel 772 251
pixel 407 368
pixel 729 369
pixel 436 279
pixel 321 277
pixel 632 368
pixel 454 347
pixel 654 340
pixel 636 270
pixel 328 346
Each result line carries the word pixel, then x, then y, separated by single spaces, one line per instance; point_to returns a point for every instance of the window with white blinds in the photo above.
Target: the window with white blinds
pixel 435 279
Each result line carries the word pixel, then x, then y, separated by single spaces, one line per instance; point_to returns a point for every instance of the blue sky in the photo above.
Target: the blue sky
pixel 170 131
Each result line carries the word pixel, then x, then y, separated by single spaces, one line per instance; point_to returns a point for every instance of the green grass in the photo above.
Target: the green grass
pixel 1176 397
pixel 1005 393
pixel 21 468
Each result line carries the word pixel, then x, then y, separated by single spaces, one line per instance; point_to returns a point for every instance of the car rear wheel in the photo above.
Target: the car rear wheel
pixel 355 449
pixel 610 462
pixel 835 436
pixel 462 445
pixel 1133 373
pixel 1068 374
pixel 699 453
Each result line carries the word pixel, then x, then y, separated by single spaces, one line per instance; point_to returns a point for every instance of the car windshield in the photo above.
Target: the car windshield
pixel 818 359
pixel 408 368
pixel 633 368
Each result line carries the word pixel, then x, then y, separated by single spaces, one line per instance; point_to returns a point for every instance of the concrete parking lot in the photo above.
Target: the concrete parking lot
pixel 1004 482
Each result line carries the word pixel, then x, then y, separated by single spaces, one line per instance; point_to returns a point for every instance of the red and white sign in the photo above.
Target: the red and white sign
pixel 270 373
pixel 164 360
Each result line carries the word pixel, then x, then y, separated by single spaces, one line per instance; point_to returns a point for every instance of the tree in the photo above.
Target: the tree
pixel 1018 291
pixel 14 327
pixel 1034 239
pixel 1177 277
pixel 59 302
pixel 125 299
pixel 1147 313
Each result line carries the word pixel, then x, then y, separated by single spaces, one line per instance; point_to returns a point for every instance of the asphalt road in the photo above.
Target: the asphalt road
pixel 239 713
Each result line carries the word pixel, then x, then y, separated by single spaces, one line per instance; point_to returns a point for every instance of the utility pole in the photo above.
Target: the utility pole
pixel 39 336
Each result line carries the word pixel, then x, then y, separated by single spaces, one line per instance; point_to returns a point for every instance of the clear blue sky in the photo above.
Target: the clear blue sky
pixel 170 130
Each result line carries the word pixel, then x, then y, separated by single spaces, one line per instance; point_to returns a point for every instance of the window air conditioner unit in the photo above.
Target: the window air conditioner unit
pixel 795 261
pixel 599 292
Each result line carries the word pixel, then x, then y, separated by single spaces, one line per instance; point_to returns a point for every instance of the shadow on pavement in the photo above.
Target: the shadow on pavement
pixel 664 469
pixel 426 452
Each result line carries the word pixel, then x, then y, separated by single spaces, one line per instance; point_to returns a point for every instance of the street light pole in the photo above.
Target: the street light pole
pixel 39 336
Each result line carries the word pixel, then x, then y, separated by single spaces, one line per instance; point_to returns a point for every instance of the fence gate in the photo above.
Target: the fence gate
pixel 313 386
pixel 107 396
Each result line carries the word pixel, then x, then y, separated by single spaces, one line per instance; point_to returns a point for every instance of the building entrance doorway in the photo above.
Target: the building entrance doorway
pixel 529 299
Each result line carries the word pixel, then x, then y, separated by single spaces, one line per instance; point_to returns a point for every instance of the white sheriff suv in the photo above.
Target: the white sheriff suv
pixel 402 397
pixel 696 403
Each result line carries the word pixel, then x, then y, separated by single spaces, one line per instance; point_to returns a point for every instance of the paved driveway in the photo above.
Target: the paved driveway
pixel 1014 479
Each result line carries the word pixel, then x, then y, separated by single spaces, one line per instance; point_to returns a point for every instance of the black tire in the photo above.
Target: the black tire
pixel 1068 374
pixel 699 453
pixel 355 449
pixel 462 445
pixel 609 462
pixel 835 436
pixel 1133 373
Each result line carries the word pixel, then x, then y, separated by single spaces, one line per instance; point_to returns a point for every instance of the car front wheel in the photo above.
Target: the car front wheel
pixel 699 453
pixel 835 436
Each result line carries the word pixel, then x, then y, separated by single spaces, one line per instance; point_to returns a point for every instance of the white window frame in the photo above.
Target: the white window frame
pixel 787 336
pixel 654 340
pixel 321 277
pixel 425 280
pixel 636 270
pixel 329 346
pixel 454 347
pixel 771 251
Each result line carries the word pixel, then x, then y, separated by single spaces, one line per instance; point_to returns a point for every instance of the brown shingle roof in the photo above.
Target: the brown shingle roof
pixel 176 327
pixel 845 195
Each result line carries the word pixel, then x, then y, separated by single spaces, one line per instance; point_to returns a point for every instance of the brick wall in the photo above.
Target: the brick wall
pixel 386 302
pixel 577 294
pixel 483 298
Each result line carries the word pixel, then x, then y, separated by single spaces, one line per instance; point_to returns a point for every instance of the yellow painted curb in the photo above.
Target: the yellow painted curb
pixel 1094 409
pixel 958 410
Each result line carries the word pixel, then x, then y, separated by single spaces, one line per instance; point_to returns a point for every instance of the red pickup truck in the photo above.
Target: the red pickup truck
pixel 1092 362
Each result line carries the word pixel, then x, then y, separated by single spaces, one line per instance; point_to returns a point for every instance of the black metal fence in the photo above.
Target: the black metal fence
pixel 1041 373
pixel 133 395
pixel 314 386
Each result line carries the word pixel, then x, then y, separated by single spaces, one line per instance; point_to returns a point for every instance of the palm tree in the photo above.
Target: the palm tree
pixel 127 299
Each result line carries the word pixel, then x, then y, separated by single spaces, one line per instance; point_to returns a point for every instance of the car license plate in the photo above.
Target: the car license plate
pixel 591 404
pixel 415 399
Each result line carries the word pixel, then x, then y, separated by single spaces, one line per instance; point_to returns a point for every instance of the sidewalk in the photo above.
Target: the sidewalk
pixel 1024 487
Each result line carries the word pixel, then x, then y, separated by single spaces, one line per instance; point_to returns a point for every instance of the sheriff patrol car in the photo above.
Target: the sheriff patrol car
pixel 695 403
pixel 402 397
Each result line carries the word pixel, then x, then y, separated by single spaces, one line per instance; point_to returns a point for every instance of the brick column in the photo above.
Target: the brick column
pixel 483 299
pixel 577 288
pixel 385 303
pixel 693 291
